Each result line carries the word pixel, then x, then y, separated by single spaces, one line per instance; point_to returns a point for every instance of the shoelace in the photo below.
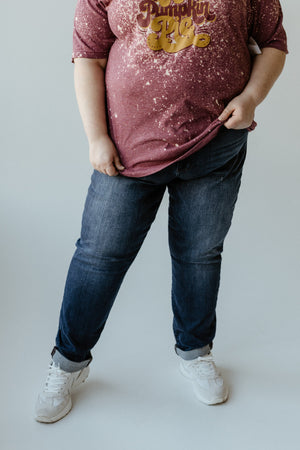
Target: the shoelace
pixel 56 379
pixel 205 366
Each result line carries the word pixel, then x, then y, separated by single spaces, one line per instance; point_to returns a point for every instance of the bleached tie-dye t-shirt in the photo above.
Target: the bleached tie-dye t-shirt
pixel 173 65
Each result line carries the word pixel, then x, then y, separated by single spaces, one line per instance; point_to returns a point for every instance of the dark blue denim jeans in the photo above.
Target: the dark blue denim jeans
pixel 118 213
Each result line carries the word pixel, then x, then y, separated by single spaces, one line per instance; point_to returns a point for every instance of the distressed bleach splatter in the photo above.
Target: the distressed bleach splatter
pixel 173 65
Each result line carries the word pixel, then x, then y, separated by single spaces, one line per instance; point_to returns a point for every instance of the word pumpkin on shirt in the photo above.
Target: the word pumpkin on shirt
pixel 173 24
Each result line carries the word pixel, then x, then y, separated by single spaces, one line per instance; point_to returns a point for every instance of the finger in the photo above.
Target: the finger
pixel 100 169
pixel 226 113
pixel 118 163
pixel 111 171
pixel 230 123
pixel 235 122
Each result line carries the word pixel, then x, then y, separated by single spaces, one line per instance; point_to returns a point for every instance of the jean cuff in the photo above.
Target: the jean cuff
pixel 192 354
pixel 66 364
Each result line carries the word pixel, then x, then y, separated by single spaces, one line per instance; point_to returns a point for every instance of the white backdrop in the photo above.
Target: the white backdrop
pixel 135 397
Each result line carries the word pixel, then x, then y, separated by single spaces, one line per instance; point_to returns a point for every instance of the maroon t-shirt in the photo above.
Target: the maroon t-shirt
pixel 173 65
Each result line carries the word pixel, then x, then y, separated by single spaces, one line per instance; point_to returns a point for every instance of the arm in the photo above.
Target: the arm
pixel 239 113
pixel 90 93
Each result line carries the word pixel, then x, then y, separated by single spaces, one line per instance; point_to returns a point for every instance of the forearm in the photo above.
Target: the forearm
pixel 265 70
pixel 90 94
pixel 239 113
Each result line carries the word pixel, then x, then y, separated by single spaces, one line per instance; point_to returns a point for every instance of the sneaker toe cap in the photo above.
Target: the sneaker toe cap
pixel 211 391
pixel 51 408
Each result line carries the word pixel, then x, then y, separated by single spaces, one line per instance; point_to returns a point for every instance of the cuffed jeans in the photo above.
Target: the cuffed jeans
pixel 117 215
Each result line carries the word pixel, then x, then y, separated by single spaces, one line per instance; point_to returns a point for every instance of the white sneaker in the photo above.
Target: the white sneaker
pixel 209 386
pixel 54 402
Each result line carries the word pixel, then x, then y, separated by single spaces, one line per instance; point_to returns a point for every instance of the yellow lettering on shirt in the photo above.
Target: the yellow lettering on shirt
pixel 172 23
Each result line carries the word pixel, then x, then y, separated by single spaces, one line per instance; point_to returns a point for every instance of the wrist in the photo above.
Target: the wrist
pixel 251 96
pixel 95 140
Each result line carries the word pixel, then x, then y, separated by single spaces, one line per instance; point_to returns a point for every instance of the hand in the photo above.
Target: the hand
pixel 239 113
pixel 104 156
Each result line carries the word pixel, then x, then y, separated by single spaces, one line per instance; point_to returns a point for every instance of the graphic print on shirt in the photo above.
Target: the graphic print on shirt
pixel 171 24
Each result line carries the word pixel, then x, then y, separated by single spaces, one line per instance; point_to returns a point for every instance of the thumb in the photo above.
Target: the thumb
pixel 226 112
pixel 118 163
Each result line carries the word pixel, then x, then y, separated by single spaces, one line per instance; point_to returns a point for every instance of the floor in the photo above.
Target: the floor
pixel 135 397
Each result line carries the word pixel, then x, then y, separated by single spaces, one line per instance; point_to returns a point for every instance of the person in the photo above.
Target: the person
pixel 167 92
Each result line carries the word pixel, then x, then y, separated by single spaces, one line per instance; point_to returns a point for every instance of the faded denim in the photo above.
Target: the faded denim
pixel 117 215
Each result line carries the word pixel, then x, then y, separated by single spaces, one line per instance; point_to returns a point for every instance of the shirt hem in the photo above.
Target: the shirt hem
pixel 208 134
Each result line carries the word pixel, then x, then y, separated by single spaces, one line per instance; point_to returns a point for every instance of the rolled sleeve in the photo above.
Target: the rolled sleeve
pixel 267 27
pixel 92 36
